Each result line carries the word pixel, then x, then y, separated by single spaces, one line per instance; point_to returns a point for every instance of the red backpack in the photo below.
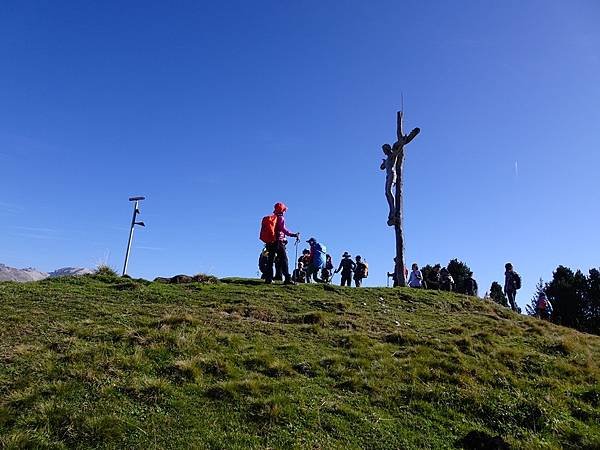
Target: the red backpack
pixel 267 229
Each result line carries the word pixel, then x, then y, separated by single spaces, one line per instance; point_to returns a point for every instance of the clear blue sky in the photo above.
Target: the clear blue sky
pixel 216 110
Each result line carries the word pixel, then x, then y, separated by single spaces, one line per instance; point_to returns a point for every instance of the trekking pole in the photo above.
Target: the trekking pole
pixel 333 273
pixel 296 244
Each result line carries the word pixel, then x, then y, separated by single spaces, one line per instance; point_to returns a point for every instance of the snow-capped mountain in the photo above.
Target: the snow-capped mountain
pixel 70 271
pixel 29 274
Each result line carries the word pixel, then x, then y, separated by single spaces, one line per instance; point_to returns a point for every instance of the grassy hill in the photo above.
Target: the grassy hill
pixel 116 363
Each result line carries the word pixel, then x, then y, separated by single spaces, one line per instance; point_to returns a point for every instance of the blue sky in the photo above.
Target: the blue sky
pixel 217 111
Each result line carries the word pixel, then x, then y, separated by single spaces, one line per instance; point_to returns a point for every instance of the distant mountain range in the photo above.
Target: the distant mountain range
pixel 70 271
pixel 30 274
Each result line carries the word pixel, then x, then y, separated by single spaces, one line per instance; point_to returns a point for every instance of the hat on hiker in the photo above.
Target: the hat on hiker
pixel 346 255
pixel 312 239
pixel 279 208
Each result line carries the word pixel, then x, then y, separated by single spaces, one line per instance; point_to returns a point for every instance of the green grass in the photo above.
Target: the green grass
pixel 104 362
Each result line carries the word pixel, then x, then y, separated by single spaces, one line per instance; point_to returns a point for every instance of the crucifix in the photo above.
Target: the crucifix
pixel 393 164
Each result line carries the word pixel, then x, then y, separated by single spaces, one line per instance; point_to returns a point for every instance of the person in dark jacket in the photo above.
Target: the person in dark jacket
pixel 299 274
pixel 347 266
pixel 511 284
pixel 361 271
pixel 327 270
pixel 433 279
pixel 446 280
pixel 393 276
pixel 305 258
pixel 471 285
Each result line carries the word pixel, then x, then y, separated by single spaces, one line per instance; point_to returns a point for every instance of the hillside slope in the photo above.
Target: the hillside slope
pixel 106 362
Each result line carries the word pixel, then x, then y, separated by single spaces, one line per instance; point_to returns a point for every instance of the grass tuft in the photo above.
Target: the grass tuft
pixel 272 410
pixel 174 320
pixel 400 338
pixel 310 318
pixel 182 371
pixel 104 270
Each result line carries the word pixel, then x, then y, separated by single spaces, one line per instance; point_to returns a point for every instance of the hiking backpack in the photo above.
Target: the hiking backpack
pixel 267 229
pixel 263 261
pixel 544 308
pixel 362 269
pixel 517 280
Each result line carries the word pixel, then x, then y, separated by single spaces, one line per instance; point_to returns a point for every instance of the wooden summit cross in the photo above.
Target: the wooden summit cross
pixel 393 164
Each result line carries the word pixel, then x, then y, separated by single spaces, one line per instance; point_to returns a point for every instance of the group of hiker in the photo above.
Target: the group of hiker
pixel 512 283
pixel 314 265
pixel 311 260
pixel 438 278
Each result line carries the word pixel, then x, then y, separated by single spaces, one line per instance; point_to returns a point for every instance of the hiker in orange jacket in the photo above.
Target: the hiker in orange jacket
pixel 277 248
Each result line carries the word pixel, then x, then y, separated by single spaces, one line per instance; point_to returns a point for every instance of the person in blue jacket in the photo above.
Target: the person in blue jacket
pixel 317 260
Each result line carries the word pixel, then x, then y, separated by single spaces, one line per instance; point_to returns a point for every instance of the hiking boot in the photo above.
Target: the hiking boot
pixel 289 281
pixel 268 281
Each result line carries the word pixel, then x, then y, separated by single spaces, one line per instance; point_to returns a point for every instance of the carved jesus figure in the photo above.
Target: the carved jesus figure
pixel 392 164
pixel 389 165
